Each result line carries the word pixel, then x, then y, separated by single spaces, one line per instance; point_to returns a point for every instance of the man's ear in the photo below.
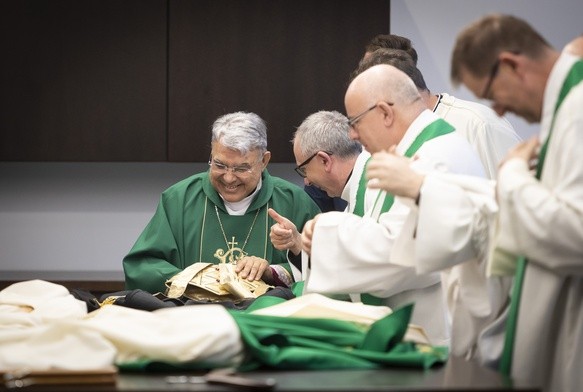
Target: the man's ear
pixel 511 59
pixel 326 160
pixel 387 110
pixel 266 158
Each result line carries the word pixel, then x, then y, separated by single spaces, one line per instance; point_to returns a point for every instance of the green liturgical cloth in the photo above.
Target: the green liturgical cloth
pixel 187 228
pixel 303 343
pixel 323 343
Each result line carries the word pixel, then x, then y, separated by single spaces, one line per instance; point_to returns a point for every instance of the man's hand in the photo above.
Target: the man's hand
pixel 392 173
pixel 284 234
pixel 253 268
pixel 527 151
pixel 307 234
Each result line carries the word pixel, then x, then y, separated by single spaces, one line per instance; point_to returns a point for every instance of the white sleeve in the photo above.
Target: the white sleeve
pixel 351 255
pixel 450 226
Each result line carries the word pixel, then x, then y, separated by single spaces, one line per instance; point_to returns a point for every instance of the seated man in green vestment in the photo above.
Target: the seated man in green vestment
pixel 221 215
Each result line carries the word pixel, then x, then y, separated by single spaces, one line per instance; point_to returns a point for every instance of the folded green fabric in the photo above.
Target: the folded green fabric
pixel 314 343
pixel 317 343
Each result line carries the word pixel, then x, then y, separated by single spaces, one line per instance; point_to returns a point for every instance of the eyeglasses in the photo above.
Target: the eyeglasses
pixel 493 73
pixel 239 171
pixel 352 121
pixel 300 168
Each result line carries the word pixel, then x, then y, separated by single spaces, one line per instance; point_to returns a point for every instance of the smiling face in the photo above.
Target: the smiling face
pixel 232 185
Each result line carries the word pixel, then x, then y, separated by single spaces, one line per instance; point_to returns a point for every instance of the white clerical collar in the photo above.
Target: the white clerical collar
pixel 240 207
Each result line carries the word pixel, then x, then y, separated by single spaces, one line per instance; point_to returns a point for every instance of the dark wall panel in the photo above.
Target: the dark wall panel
pixel 280 59
pixel 143 80
pixel 83 80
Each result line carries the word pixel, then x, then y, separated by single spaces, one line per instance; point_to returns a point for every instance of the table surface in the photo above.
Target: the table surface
pixel 99 282
pixel 77 275
pixel 456 375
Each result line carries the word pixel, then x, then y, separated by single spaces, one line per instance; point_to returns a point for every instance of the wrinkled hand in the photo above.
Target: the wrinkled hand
pixel 392 173
pixel 284 234
pixel 307 234
pixel 526 150
pixel 253 268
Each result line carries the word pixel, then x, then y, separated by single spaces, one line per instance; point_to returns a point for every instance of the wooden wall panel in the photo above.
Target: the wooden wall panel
pixel 83 80
pixel 280 59
pixel 143 80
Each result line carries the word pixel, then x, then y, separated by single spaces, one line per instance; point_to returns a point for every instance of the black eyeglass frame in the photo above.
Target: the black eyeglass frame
pixel 300 168
pixel 353 120
pixel 491 77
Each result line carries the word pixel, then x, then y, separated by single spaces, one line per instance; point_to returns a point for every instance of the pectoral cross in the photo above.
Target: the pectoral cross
pixel 230 256
pixel 232 244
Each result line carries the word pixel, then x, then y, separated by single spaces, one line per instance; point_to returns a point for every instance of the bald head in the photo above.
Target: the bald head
pixel 382 102
pixel 383 82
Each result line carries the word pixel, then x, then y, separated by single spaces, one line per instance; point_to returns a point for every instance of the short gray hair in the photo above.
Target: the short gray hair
pixel 326 131
pixel 241 131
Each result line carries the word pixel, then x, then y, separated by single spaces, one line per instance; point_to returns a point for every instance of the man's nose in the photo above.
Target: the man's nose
pixel 499 109
pixel 229 175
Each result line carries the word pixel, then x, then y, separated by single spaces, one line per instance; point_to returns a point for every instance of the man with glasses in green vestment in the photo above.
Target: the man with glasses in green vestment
pixel 221 215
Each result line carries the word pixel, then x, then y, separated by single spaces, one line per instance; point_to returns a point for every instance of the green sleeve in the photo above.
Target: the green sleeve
pixel 154 257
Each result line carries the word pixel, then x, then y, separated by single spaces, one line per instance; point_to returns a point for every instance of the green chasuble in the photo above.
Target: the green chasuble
pixel 186 229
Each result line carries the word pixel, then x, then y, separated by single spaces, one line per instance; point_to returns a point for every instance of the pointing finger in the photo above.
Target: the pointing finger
pixel 276 217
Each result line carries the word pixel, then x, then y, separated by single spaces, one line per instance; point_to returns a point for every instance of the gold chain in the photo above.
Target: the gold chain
pixel 225 235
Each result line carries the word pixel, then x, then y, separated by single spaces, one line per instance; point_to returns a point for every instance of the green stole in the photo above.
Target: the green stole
pixel 437 128
pixel 574 77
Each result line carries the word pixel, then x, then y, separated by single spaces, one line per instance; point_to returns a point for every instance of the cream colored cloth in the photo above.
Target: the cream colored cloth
pixel 450 232
pixel 43 327
pixel 351 254
pixel 40 329
pixel 491 136
pixel 36 301
pixel 204 281
pixel 542 220
pixel 319 306
pixel 500 261
pixel 182 334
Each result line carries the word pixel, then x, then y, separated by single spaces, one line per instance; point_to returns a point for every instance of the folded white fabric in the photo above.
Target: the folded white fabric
pixel 43 327
pixel 314 305
pixel 34 302
pixel 40 329
pixel 317 305
pixel 188 333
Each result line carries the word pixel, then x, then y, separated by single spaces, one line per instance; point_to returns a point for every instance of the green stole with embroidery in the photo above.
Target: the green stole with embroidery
pixel 574 77
pixel 437 128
